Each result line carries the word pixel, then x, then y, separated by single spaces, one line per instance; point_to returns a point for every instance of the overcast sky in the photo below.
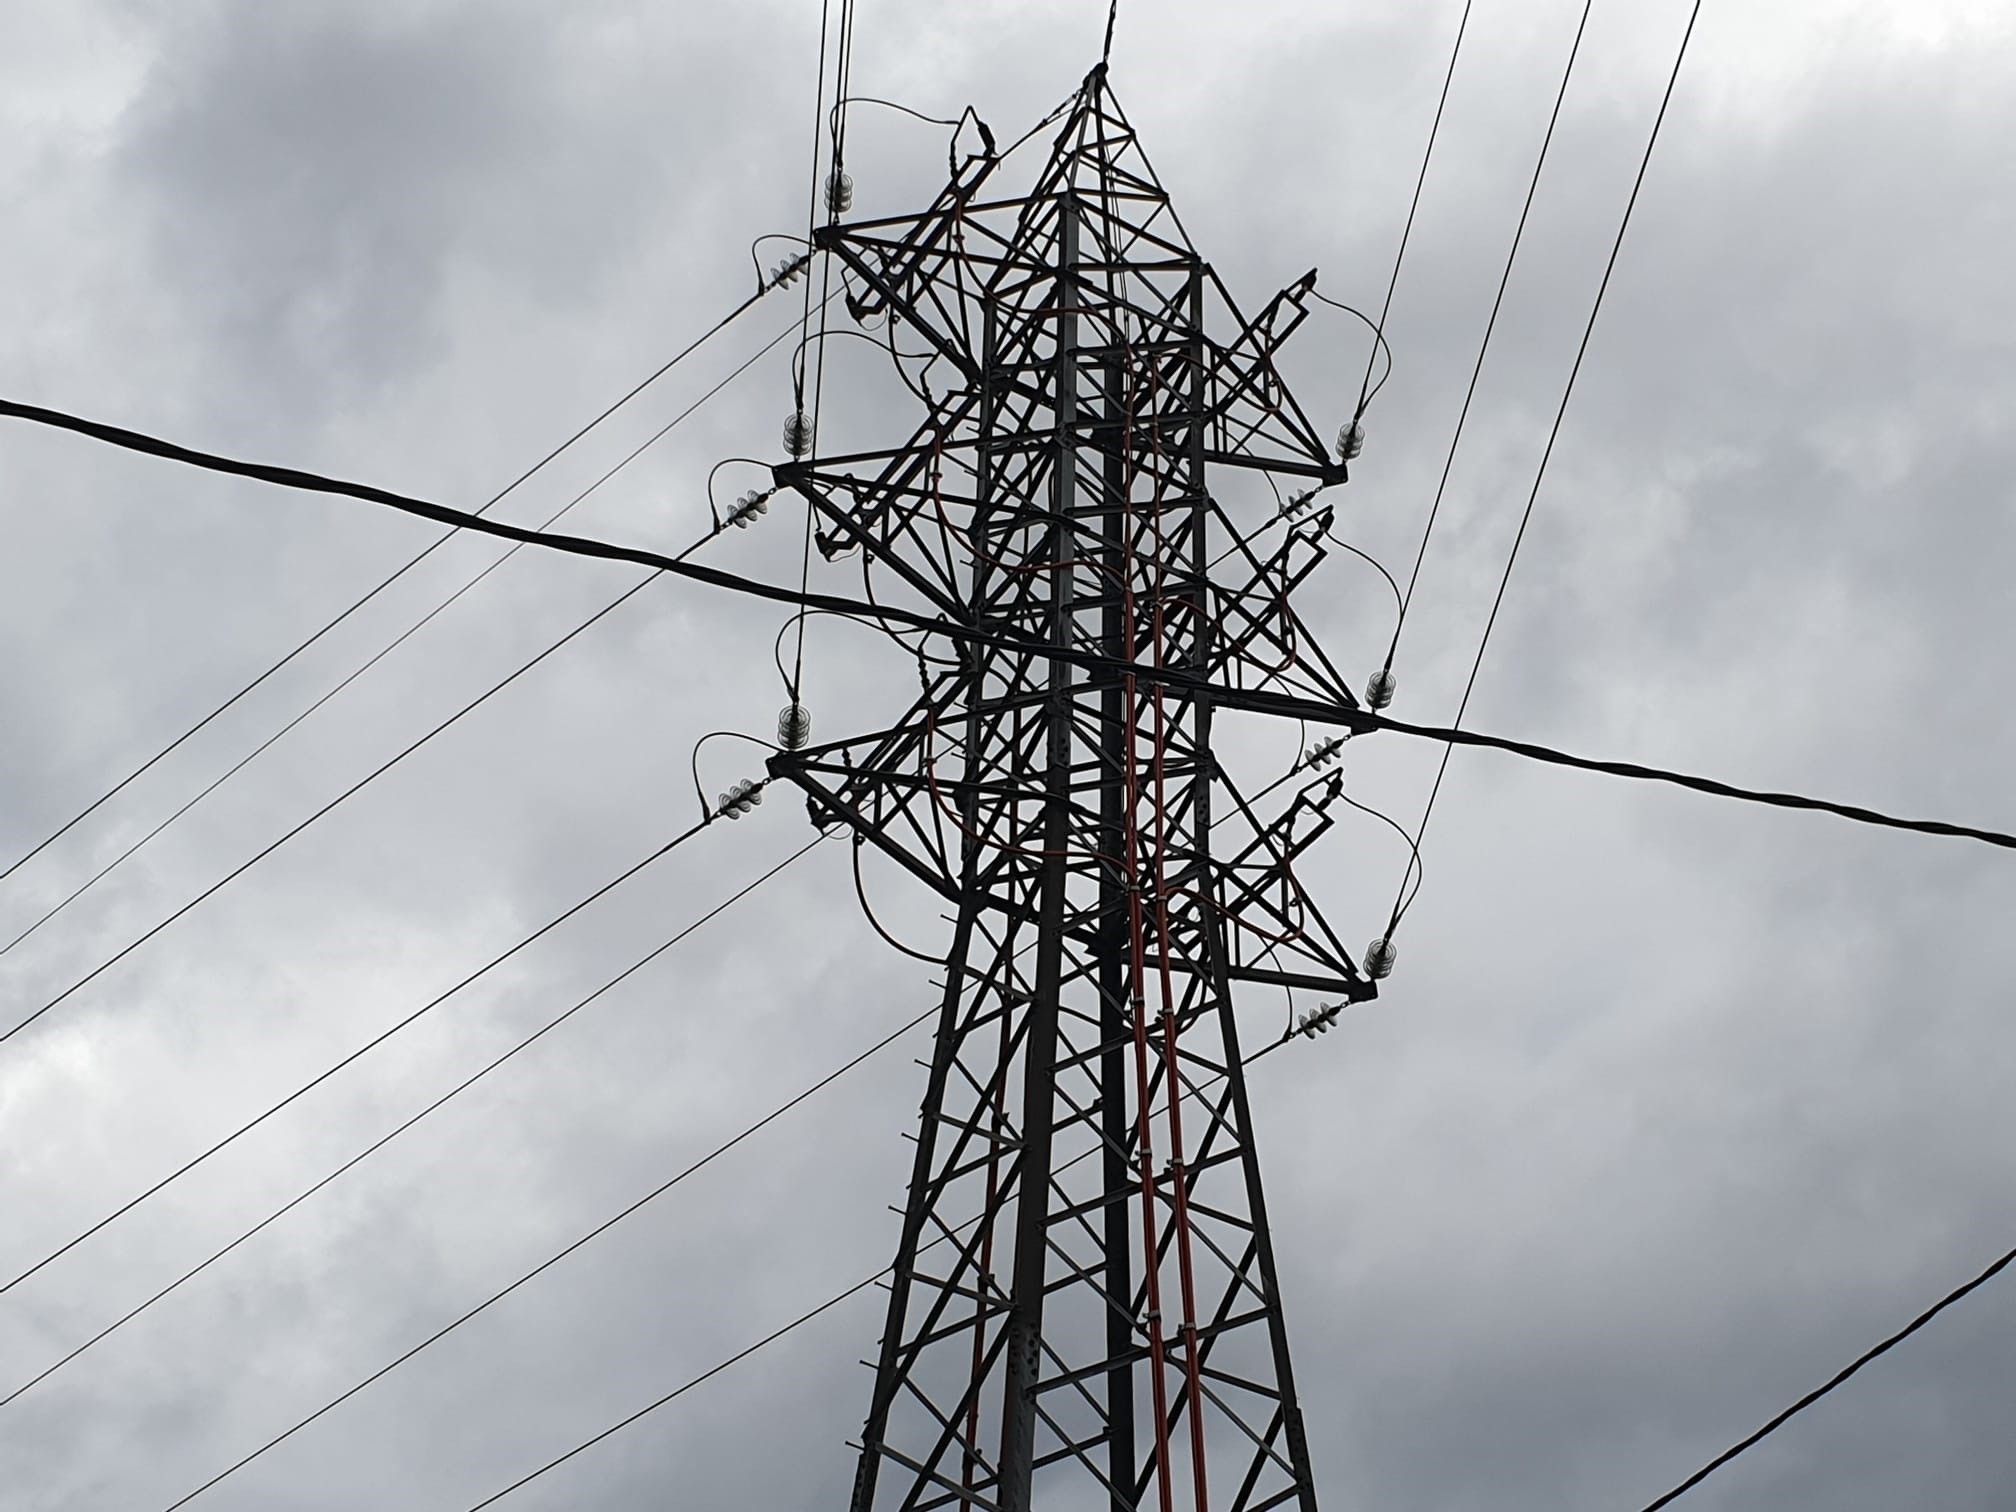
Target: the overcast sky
pixel 1672 1105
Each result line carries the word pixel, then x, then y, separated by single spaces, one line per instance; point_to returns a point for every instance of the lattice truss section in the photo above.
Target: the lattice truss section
pixel 1084 1310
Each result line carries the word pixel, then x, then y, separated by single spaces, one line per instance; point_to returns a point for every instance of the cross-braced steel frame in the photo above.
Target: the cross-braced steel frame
pixel 1084 1309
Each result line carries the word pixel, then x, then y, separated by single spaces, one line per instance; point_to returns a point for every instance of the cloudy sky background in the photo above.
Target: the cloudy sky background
pixel 1672 1106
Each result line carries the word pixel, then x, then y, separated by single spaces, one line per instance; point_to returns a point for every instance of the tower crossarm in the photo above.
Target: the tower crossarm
pixel 1248 403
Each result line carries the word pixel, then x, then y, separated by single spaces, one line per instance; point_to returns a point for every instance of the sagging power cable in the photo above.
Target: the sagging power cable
pixel 1190 1092
pixel 1484 346
pixel 378 588
pixel 388 648
pixel 1839 1378
pixel 1407 231
pixel 801 432
pixel 1380 348
pixel 356 787
pixel 1553 435
pixel 435 1106
pixel 1357 719
pixel 356 1055
pixel 554 1259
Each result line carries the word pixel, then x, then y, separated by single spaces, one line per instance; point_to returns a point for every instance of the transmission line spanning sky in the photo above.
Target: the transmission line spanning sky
pixel 1672 1107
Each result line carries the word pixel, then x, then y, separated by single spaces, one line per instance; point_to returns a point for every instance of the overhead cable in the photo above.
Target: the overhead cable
pixel 812 205
pixel 701 1379
pixel 957 124
pixel 361 1051
pixel 1553 435
pixel 1189 1094
pixel 1359 720
pixel 1490 328
pixel 356 787
pixel 554 1259
pixel 453 1092
pixel 1407 231
pixel 1838 1379
pixel 1379 348
pixel 386 650
pixel 373 592
pixel 1709 785
pixel 838 196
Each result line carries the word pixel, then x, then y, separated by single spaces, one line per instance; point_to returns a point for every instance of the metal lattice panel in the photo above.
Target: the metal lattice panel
pixel 1084 1309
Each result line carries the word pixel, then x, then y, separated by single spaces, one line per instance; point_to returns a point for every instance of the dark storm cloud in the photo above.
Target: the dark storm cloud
pixel 321 180
pixel 1671 1108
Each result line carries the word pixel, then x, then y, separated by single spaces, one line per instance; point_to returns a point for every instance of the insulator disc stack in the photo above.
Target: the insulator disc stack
pixel 1379 958
pixel 798 434
pixel 794 727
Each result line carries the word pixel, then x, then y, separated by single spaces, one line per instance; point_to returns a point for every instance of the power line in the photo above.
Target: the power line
pixel 1490 329
pixel 360 1052
pixel 1358 720
pixel 376 1145
pixel 812 204
pixel 1189 1094
pixel 685 1386
pixel 1708 785
pixel 837 193
pixel 1554 434
pixel 585 546
pixel 554 1259
pixel 373 592
pixel 1838 1379
pixel 1413 206
pixel 356 787
pixel 386 650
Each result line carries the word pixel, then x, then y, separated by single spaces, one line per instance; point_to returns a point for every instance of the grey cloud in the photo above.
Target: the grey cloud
pixel 1671 1107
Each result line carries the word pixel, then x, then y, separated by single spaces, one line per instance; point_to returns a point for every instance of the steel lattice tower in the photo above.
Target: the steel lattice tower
pixel 1084 1310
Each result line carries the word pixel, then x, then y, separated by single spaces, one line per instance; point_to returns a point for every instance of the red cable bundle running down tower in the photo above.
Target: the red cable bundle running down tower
pixel 1083 1311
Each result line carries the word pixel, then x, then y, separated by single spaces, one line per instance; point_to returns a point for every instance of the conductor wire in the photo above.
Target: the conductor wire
pixel 770 1338
pixel 395 643
pixel 1490 327
pixel 1840 1378
pixel 547 1264
pixel 383 1140
pixel 1365 392
pixel 980 633
pixel 1553 435
pixel 407 566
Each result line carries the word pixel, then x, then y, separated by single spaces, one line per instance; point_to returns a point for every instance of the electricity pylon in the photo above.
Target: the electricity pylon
pixel 1084 1310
